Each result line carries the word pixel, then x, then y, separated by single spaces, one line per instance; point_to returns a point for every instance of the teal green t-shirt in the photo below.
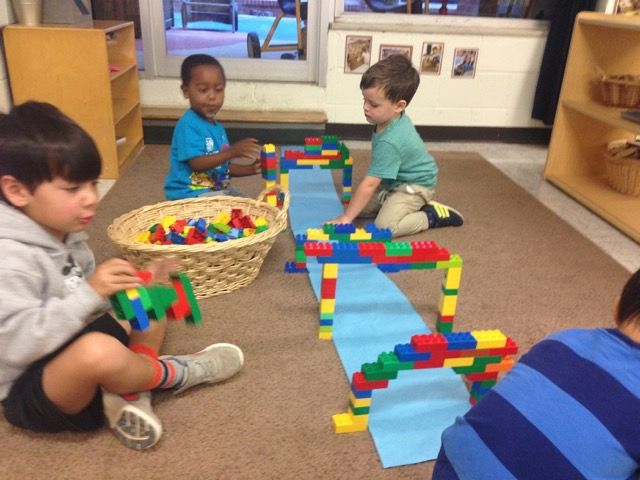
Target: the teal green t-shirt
pixel 398 155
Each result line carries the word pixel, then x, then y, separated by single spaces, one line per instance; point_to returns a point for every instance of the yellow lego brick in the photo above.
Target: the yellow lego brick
pixel 452 278
pixel 316 234
pixel 132 293
pixel 260 222
pixel 346 189
pixel 284 181
pixel 458 362
pixel 247 232
pixel 349 161
pixel 325 335
pixel 330 270
pixel 489 338
pixel 303 161
pixel 269 183
pixel 344 423
pixel 223 218
pixel 143 237
pixel 454 261
pixel 359 402
pixel 272 200
pixel 329 152
pixel 269 148
pixel 327 305
pixel 360 234
pixel 167 221
pixel 448 305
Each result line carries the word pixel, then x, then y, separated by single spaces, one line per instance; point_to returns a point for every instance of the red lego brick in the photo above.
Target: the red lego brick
pixel 328 288
pixel 433 342
pixel 478 377
pixel 360 383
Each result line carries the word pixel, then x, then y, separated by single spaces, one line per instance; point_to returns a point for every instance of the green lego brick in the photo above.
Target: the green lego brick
pixel 359 410
pixel 450 291
pixel 196 315
pixel 325 329
pixel 326 316
pixel 444 327
pixel 156 309
pixel 423 266
pixel 300 256
pixel 122 306
pixel 374 371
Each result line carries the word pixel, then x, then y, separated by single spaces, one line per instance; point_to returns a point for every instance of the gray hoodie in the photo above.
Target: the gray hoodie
pixel 44 296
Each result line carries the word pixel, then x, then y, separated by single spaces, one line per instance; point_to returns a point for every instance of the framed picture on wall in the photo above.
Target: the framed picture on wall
pixel 357 54
pixel 627 7
pixel 464 62
pixel 431 58
pixel 386 50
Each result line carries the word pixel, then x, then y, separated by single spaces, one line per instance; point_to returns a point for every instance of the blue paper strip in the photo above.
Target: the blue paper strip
pixel 372 316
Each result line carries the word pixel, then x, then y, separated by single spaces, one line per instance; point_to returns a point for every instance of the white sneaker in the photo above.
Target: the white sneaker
pixel 132 421
pixel 214 364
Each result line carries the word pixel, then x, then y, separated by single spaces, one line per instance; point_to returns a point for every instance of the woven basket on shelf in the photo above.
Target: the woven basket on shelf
pixel 623 167
pixel 213 268
pixel 620 90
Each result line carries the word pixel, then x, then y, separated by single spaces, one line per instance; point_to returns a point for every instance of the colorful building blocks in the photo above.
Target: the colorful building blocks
pixel 174 300
pixel 326 152
pixel 389 257
pixel 478 355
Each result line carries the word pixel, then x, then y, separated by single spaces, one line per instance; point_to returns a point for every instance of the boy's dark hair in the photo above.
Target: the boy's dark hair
pixel 193 61
pixel 629 306
pixel 395 75
pixel 38 143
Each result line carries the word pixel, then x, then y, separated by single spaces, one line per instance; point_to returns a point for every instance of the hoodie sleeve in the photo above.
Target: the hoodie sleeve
pixel 36 315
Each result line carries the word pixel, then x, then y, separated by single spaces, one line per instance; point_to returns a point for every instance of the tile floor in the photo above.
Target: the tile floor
pixel 524 164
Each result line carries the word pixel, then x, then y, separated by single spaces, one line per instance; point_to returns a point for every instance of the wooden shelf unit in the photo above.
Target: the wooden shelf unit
pixel 90 73
pixel 584 125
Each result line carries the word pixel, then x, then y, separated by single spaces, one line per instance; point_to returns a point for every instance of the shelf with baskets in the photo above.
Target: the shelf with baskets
pixel 90 73
pixel 586 122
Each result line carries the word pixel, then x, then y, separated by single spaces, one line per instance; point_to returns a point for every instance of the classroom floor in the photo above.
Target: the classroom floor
pixel 524 164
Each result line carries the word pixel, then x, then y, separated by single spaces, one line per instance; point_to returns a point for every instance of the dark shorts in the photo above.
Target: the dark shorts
pixel 443 470
pixel 27 406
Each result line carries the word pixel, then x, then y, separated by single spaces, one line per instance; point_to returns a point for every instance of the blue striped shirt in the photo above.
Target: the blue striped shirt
pixel 570 409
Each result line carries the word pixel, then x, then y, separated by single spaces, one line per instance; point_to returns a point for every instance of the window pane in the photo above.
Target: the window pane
pixel 267 29
pixel 539 9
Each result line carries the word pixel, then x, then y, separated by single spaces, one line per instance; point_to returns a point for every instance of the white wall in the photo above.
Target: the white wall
pixel 500 95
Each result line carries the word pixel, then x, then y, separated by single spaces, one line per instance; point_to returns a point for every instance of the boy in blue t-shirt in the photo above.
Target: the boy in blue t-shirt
pixel 569 409
pixel 200 151
pixel 400 183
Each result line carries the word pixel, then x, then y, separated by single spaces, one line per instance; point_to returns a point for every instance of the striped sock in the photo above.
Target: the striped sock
pixel 167 373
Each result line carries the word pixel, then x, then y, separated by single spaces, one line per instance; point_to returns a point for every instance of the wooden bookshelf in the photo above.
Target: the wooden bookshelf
pixel 90 73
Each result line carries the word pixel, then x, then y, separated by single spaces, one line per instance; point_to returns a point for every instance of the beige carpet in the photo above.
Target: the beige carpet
pixel 525 271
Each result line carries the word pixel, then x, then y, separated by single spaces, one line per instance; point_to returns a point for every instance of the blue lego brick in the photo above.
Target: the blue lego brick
pixel 361 393
pixel 300 238
pixel 141 320
pixel 406 353
pixel 220 237
pixel 175 238
pixel 378 233
pixel 389 267
pixel 286 165
pixel 326 323
pixel 290 267
pixel 460 341
pixel 345 228
pixel 482 391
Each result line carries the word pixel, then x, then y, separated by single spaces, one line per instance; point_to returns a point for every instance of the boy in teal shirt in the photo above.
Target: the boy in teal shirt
pixel 400 183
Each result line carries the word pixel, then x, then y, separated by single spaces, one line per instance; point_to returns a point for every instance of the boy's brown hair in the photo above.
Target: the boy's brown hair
pixel 38 142
pixel 395 75
pixel 629 304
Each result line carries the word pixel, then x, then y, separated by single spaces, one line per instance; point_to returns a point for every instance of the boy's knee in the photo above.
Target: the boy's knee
pixel 97 351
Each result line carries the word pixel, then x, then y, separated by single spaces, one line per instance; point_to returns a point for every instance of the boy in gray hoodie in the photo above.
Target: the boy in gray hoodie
pixel 65 363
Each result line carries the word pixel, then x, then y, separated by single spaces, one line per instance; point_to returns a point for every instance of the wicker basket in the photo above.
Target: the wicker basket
pixel 623 173
pixel 620 90
pixel 213 268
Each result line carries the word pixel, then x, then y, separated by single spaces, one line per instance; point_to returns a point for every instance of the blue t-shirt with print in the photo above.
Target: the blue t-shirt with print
pixel 193 137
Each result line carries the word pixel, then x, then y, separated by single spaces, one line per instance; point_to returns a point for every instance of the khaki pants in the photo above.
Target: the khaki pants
pixel 399 210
